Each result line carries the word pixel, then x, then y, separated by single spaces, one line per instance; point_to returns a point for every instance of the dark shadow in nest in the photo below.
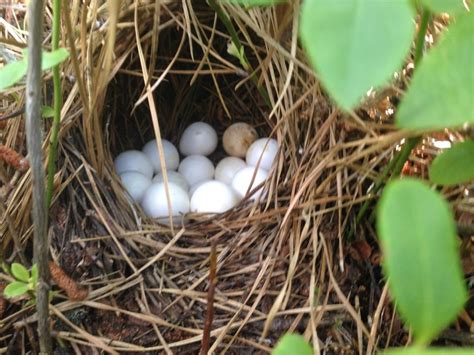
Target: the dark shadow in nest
pixel 181 98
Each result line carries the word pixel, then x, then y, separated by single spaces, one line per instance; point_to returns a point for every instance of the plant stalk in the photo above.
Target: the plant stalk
pixel 238 45
pixel 34 139
pixel 395 166
pixel 420 38
pixel 53 144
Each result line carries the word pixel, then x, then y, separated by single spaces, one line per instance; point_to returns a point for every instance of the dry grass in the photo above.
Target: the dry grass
pixel 282 263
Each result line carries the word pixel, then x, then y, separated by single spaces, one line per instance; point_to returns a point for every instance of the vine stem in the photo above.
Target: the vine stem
pixel 53 144
pixel 34 139
pixel 420 38
pixel 240 49
pixel 395 165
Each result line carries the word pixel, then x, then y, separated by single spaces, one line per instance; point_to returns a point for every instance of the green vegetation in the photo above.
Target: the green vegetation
pixel 454 166
pixel 441 91
pixel 292 344
pixel 25 282
pixel 350 44
pixel 57 104
pixel 363 43
pixel 13 72
pixel 418 236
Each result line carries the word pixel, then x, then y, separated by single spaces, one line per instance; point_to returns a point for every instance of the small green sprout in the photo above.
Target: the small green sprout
pixel 25 281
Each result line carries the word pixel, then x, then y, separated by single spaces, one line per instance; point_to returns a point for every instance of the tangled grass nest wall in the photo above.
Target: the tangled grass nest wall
pixel 282 264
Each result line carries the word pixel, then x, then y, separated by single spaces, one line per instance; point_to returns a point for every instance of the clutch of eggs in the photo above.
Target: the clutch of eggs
pixel 193 183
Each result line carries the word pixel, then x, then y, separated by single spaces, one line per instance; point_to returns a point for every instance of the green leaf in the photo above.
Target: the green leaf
pixel 454 165
pixel 442 89
pixel 452 7
pixel 34 274
pixel 15 288
pixel 50 59
pixel 238 53
pixel 292 344
pixel 47 112
pixel 12 73
pixel 356 44
pixel 429 351
pixel 421 259
pixel 20 272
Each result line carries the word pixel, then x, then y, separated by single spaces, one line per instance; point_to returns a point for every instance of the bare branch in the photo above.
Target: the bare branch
pixel 34 140
pixel 206 336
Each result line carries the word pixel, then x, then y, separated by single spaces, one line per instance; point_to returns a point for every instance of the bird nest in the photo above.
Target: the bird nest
pixel 248 275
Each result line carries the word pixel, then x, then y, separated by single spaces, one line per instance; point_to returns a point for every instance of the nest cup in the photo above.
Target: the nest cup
pixel 205 83
pixel 267 251
pixel 181 99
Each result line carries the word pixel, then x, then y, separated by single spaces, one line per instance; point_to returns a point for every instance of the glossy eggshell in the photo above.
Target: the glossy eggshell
pixel 241 182
pixel 193 188
pixel 227 168
pixel 198 138
pixel 262 152
pixel 196 168
pixel 135 184
pixel 133 160
pixel 169 151
pixel 175 177
pixel 213 197
pixel 155 205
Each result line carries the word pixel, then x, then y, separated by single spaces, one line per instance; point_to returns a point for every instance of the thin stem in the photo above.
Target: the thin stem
pixel 34 139
pixel 53 144
pixel 420 38
pixel 240 49
pixel 395 166
pixel 400 160
pixel 206 336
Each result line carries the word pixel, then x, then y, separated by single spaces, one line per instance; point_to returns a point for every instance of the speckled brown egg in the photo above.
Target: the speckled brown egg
pixel 237 139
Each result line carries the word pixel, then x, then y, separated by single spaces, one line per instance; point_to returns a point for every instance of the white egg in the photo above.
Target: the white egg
pixel 213 197
pixel 266 148
pixel 155 203
pixel 175 177
pixel 135 183
pixel 237 138
pixel 193 188
pixel 196 168
pixel 198 138
pixel 169 150
pixel 133 160
pixel 242 180
pixel 227 168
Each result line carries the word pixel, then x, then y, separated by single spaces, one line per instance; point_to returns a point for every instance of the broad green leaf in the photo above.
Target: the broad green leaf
pixel 292 344
pixel 454 165
pixel 12 73
pixel 20 272
pixel 34 274
pixel 356 44
pixel 47 112
pixel 429 351
pixel 15 288
pixel 452 7
pixel 421 259
pixel 442 89
pixel 50 59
